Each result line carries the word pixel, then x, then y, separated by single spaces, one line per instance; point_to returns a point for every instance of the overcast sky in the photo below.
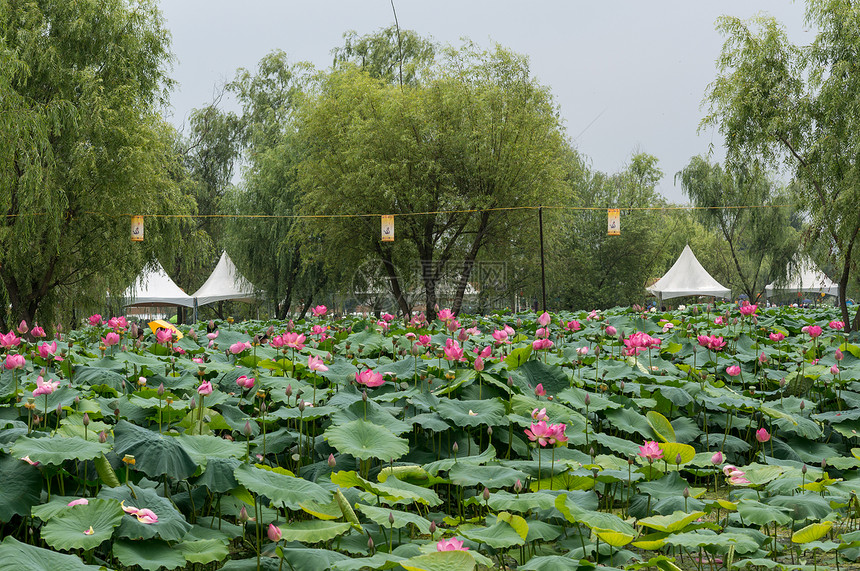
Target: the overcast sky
pixel 629 76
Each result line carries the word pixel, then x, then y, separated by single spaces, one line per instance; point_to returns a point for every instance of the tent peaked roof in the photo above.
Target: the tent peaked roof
pixel 687 277
pixel 808 279
pixel 225 283
pixel 153 287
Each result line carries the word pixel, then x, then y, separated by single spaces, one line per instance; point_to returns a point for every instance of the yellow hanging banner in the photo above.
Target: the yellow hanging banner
pixel 614 222
pixel 137 228
pixel 388 228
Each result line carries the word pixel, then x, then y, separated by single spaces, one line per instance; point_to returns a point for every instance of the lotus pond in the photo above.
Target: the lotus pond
pixel 705 438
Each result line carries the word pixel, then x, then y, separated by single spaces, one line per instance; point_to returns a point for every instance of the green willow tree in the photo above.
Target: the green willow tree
pixel 778 103
pixel 605 271
pixel 83 146
pixel 760 242
pixel 475 132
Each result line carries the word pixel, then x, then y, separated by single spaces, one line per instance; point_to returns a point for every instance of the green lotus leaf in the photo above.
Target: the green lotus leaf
pixel 313 531
pixel 613 538
pixel 218 476
pixel 499 535
pixel 576 398
pixel 661 425
pixel 487 412
pixel 576 514
pixel 21 489
pixel 282 489
pixel 202 448
pixel 15 556
pixel 302 558
pixel 550 563
pixel 485 476
pixel 171 524
pixel 328 511
pixel 752 511
pixel 203 551
pixel 150 555
pixel 57 449
pixel 393 489
pixel 70 528
pixel 381 515
pixel 629 421
pixel 371 412
pixel 670 523
pixel 365 440
pixel 441 561
pixel 671 451
pixel 695 539
pixel 155 454
pixel 811 532
pixel 378 561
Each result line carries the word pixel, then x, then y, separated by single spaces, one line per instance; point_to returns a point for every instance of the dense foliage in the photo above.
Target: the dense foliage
pixel 707 436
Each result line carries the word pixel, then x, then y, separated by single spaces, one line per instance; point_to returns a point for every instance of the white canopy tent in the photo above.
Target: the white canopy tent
pixel 687 277
pixel 225 283
pixel 807 280
pixel 154 288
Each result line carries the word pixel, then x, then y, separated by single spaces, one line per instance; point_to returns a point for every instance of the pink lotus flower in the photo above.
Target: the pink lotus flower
pixel 146 516
pixel 651 451
pixel 110 339
pixel 836 325
pixel 462 335
pixel 445 315
pixel 739 480
pixel 274 533
pixel 542 332
pixel 479 364
pixel 131 510
pixel 246 382
pixel 46 350
pixel 451 544
pixel 423 340
pixel 369 379
pixel 239 346
pixel 212 336
pixel 23 328
pixel 814 331
pixel 557 434
pixel 205 388
pixel 387 317
pixel 539 390
pixel 541 433
pixel 316 364
pixel 500 336
pixel 294 340
pixel 719 320
pixel 733 370
pixel 15 361
pixel 319 311
pixel 473 331
pixel 592 315
pixel 453 351
pixel 542 344
pixel 164 336
pixel 762 358
pixel 95 319
pixel 611 331
pixel 747 309
pixel 509 330
pixel 777 337
pixel 78 502
pixel 118 322
pixel 9 340
pixel 45 388
pixel 575 326
pixel 37 332
pixel 544 319
pixel 762 435
pixel 539 415
pixel 582 351
pixel 483 353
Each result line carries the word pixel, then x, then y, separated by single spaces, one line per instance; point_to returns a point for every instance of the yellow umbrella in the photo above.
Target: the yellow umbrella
pixel 162 324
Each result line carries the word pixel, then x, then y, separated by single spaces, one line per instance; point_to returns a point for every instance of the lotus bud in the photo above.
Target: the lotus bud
pixel 289 391
pixel 86 419
pixel 243 515
pixel 486 494
pixel 132 331
pixel 102 437
pixel 247 430
pixel 592 453
pixel 193 403
pixel 432 527
pixel 116 414
pixel 77 398
pixel 823 463
pixel 621 386
pixel 510 381
pixel 587 399
pixel 802 405
pixel 390 518
pixel 678 459
pixel 301 405
pixel 263 407
pixel 490 431
pixel 370 543
pixel 331 461
pixel 364 396
pixel 803 469
pixel 59 409
pixel 455 448
pixel 518 486
pixel 717 458
pixel 686 493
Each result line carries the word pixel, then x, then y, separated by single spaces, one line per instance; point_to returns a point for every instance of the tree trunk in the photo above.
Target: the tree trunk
pixel 469 262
